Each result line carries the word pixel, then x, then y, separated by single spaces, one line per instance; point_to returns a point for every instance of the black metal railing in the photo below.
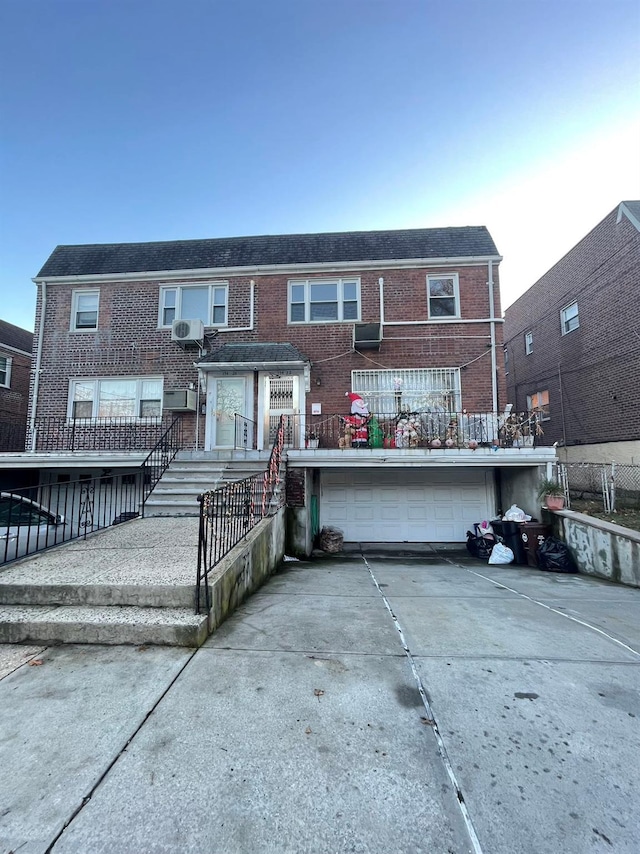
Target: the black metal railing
pixel 245 433
pixel 228 514
pixel 160 457
pixel 54 433
pixel 38 517
pixel 407 430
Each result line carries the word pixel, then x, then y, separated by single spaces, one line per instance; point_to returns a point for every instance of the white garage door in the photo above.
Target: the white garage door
pixel 409 505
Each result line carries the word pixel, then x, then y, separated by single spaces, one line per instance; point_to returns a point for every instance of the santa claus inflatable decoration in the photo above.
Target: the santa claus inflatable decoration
pixel 358 420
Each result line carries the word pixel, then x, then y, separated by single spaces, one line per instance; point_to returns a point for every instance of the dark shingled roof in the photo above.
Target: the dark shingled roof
pixel 109 258
pixel 255 353
pixel 15 336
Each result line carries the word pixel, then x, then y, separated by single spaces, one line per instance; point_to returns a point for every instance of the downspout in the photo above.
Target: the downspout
pixel 36 376
pixel 494 363
pixel 381 285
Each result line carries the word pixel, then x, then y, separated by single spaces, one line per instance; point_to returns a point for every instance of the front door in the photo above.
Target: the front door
pixel 283 398
pixel 226 397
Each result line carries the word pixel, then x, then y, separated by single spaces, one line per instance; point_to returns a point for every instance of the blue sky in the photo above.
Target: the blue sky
pixel 133 120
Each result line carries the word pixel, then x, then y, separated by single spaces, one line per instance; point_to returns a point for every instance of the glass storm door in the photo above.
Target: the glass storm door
pixel 229 398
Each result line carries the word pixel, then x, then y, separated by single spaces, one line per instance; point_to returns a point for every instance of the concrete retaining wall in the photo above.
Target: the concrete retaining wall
pixel 600 548
pixel 246 568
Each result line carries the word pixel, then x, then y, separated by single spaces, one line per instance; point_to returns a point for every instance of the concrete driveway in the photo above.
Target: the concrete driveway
pixel 364 703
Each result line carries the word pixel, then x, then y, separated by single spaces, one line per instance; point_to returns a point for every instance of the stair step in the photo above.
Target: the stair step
pixel 114 624
pixel 151 595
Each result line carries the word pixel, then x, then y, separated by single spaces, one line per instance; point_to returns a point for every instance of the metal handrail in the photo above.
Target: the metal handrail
pixel 229 513
pixel 160 457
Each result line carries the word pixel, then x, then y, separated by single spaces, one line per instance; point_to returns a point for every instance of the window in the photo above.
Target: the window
pixel 128 397
pixel 207 303
pixel 5 371
pixel 539 402
pixel 409 390
pixel 569 318
pixel 84 311
pixel 443 296
pixel 528 343
pixel 324 300
pixel 506 361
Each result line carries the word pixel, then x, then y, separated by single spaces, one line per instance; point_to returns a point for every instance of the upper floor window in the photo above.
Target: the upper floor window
pixel 324 300
pixel 207 303
pixel 539 402
pixel 84 311
pixel 443 294
pixel 5 371
pixel 506 360
pixel 569 318
pixel 126 397
pixel 528 343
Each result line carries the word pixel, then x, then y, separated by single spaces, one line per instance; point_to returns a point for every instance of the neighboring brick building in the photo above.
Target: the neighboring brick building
pixel 572 344
pixel 15 374
pixel 237 331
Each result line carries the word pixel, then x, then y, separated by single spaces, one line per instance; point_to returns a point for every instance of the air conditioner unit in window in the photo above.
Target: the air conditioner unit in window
pixel 183 331
pixel 367 336
pixel 179 400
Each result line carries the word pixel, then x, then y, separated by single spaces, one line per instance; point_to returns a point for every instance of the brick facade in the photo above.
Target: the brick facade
pixel 14 398
pixel 128 341
pixel 592 373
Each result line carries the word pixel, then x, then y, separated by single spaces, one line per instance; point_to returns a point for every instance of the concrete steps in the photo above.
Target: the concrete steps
pixel 129 584
pixel 187 477
pixel 114 624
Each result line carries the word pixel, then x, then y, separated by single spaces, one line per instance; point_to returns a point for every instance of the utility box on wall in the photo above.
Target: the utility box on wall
pixel 180 400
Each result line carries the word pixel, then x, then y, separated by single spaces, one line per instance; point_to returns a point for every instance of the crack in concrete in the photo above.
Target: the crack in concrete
pixel 433 722
pixel 85 800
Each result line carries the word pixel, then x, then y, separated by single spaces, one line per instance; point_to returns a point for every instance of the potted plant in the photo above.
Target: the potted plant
pixel 552 492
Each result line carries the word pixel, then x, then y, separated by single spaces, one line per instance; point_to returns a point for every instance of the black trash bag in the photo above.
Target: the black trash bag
pixel 556 556
pixel 480 547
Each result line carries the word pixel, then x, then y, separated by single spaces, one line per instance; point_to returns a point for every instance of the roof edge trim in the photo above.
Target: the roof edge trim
pixel 217 272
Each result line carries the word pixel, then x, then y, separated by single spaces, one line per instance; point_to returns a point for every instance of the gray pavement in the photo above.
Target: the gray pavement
pixel 355 704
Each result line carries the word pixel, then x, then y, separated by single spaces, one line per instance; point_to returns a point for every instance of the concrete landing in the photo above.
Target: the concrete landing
pixel 130 584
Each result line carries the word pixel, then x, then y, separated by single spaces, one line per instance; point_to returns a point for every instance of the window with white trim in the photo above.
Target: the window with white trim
pixel 5 371
pixel 539 402
pixel 208 303
pixel 324 300
pixel 409 390
pixel 84 311
pixel 528 343
pixel 123 397
pixel 443 296
pixel 570 318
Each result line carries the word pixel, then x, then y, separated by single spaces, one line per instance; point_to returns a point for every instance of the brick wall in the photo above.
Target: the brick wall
pixel 14 402
pixel 128 341
pixel 592 373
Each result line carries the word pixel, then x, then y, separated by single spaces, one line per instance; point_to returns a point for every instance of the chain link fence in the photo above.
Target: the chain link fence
pixel 611 485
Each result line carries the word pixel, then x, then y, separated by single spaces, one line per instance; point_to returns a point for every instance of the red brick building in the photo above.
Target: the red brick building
pixel 572 344
pixel 15 375
pixel 231 333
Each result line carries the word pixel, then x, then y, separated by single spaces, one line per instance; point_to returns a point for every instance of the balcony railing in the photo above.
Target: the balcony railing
pixel 57 434
pixel 411 430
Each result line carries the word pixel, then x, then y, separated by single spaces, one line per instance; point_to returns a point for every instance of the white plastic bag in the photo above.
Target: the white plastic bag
pixel 501 554
pixel 515 514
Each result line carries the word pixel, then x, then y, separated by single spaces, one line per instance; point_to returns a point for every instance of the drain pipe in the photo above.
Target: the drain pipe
pixel 492 321
pixel 36 375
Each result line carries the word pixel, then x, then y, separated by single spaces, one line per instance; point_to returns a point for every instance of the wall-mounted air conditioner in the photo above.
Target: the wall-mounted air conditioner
pixel 183 331
pixel 367 336
pixel 179 400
